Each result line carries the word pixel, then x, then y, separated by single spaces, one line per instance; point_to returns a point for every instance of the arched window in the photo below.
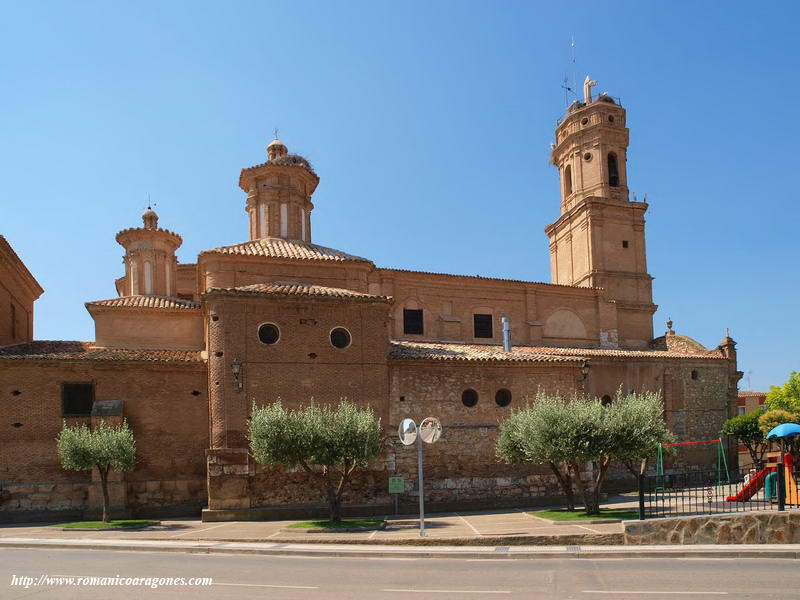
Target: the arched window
pixel 606 400
pixel 148 277
pixel 613 170
pixel 567 180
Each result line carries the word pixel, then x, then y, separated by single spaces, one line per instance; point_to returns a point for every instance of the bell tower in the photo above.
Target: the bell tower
pixel 598 240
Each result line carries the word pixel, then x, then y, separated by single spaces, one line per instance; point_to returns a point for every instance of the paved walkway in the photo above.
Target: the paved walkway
pixel 480 527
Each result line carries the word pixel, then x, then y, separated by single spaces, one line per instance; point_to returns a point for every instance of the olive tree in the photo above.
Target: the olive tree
pixel 567 434
pixel 747 430
pixel 328 443
pixel 540 434
pixel 106 447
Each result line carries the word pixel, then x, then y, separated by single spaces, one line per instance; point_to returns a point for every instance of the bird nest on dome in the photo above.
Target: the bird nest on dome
pixel 292 159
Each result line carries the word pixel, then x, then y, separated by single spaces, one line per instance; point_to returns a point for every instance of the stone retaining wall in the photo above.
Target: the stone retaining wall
pixel 765 527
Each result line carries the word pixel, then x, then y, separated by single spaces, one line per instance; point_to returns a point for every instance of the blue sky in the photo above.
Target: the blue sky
pixel 429 124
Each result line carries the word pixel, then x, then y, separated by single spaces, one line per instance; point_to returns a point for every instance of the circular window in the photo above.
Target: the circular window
pixel 587 157
pixel 340 337
pixel 584 121
pixel 469 398
pixel 269 334
pixel 610 118
pixel 503 397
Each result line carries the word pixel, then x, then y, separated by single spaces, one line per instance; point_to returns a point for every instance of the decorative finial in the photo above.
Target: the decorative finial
pixel 276 133
pixel 727 332
pixel 669 326
pixel 588 84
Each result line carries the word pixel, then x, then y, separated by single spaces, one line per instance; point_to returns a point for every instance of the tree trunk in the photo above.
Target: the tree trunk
pixel 564 482
pixel 104 486
pixel 334 502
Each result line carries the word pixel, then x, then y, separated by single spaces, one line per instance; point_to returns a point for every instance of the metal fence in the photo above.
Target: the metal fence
pixel 710 492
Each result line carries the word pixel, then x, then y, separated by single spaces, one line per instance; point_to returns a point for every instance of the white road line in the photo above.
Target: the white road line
pixel 653 592
pixel 468 524
pixel 449 591
pixel 372 535
pixel 265 585
pixel 274 534
pixel 198 530
pixel 587 528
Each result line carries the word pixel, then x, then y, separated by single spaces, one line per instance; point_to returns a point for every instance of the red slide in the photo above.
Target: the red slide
pixel 748 491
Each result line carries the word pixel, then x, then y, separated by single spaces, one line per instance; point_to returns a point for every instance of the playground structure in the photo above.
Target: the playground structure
pixel 723 474
pixel 767 478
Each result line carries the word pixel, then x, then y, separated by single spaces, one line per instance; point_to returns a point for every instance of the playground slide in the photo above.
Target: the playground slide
pixel 752 487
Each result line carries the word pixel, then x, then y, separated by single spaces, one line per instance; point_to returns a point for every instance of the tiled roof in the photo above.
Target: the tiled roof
pixel 481 277
pixel 291 288
pixel 406 350
pixel 81 351
pixel 749 394
pixel 280 248
pixel 163 302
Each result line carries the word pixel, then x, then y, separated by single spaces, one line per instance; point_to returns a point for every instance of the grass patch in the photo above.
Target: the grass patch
pixel 562 514
pixel 118 524
pixel 344 524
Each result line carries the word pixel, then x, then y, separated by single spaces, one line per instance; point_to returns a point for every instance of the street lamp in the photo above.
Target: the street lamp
pixel 236 368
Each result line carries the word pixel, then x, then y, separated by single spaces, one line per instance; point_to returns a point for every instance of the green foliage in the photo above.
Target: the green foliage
pixel 314 435
pixel 328 443
pixel 787 396
pixel 747 429
pixel 612 514
pixel 773 418
pixel 105 447
pixel 567 434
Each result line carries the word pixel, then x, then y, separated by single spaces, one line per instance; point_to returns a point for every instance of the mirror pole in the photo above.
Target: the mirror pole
pixel 421 490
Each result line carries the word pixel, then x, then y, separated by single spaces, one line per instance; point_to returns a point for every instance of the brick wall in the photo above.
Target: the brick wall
pixel 169 421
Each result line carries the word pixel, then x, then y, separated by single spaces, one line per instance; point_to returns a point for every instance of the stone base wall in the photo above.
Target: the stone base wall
pixel 49 501
pixel 766 527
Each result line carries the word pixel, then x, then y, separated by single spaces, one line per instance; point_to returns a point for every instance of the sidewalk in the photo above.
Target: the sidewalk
pixel 506 527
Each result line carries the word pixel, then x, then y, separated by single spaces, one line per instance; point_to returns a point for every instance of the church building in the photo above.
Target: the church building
pixel 183 351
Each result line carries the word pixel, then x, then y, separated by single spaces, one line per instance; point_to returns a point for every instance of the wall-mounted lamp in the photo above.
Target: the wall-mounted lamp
pixel 585 369
pixel 236 368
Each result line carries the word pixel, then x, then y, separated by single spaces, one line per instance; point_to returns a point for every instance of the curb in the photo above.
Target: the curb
pixel 498 553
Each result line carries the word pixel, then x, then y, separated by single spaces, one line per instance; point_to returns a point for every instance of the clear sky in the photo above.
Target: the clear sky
pixel 429 124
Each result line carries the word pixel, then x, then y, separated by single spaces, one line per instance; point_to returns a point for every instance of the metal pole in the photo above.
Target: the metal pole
pixel 781 482
pixel 421 490
pixel 641 497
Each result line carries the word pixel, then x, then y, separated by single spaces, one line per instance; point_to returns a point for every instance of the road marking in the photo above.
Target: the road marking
pixel 449 591
pixel 274 534
pixel 468 524
pixel 372 535
pixel 587 528
pixel 198 530
pixel 653 592
pixel 266 585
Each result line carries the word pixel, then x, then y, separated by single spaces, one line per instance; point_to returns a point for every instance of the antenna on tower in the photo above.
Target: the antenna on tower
pixel 574 67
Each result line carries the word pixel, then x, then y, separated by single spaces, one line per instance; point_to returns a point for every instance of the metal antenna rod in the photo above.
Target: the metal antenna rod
pixel 574 68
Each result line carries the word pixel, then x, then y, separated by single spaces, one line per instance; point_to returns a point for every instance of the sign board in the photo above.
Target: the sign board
pixel 397 485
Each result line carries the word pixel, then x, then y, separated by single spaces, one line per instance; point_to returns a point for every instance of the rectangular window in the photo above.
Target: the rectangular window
pixel 77 399
pixel 412 320
pixel 483 326
pixel 624 243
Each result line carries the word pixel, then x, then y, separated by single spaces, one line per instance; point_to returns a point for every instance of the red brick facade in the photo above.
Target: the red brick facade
pixel 181 348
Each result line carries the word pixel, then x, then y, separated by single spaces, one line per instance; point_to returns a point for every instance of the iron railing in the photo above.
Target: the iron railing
pixel 711 491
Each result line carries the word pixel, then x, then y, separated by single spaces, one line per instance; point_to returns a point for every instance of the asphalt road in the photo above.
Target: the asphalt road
pixel 324 578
